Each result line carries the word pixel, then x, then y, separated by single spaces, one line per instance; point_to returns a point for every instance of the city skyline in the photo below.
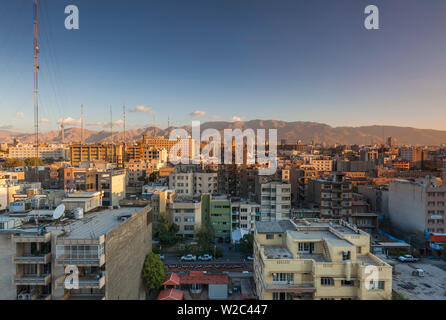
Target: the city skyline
pixel 200 61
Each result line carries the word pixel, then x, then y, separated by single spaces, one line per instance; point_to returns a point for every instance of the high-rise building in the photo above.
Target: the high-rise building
pixel 333 195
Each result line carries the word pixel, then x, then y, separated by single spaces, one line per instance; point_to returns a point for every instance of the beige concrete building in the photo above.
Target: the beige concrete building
pixel 190 184
pixel 313 259
pixel 187 215
pixel 105 250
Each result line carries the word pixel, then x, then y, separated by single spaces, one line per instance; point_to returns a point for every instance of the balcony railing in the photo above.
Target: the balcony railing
pixel 306 286
pixel 85 261
pixel 31 259
pixel 90 282
pixel 32 279
pixel 26 238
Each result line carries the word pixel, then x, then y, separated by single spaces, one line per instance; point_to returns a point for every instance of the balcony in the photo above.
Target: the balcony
pixel 85 282
pixel 281 286
pixel 32 279
pixel 97 261
pixel 26 238
pixel 31 259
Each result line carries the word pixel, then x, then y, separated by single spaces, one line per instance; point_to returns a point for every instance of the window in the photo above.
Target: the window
pixel 327 281
pixel 347 283
pixel 269 236
pixel 345 255
pixel 306 247
pixel 376 285
pixel 285 278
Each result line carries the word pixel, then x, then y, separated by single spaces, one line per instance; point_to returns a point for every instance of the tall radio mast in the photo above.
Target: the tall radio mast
pixel 36 80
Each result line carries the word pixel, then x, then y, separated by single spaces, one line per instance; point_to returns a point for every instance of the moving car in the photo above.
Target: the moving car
pixel 188 257
pixel 407 258
pixel 205 257
pixel 250 258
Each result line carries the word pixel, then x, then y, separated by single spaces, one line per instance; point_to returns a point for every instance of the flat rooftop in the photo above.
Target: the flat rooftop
pixel 277 252
pixel 96 224
pixel 319 235
pixel 274 226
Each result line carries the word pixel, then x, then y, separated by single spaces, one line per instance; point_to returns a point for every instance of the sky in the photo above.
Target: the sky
pixel 226 60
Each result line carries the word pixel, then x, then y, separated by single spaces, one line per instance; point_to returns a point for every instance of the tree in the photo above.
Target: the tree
pixel 205 234
pixel 218 252
pixel 32 162
pixel 154 271
pixel 12 163
pixel 246 243
pixel 443 251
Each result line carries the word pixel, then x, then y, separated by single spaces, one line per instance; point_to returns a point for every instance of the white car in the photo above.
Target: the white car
pixel 250 258
pixel 205 257
pixel 188 257
pixel 161 256
pixel 407 258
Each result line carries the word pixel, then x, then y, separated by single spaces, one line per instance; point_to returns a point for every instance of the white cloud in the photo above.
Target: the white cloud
pixel 69 121
pixel 197 113
pixel 106 124
pixel 20 115
pixel 142 109
pixel 235 118
pixel 214 117
pixel 44 120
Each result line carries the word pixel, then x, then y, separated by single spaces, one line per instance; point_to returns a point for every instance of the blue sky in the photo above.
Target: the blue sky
pixel 228 59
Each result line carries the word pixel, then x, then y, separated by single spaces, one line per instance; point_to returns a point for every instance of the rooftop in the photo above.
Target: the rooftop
pixel 93 225
pixel 277 252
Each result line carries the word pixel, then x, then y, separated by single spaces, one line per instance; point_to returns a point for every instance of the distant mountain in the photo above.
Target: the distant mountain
pixel 292 131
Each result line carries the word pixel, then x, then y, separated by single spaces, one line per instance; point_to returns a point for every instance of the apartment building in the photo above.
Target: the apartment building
pixel 190 184
pixel 217 210
pixel 317 259
pixel 412 154
pixel 417 206
pixel 109 153
pixel 186 214
pixel 106 251
pixel 137 170
pixel 45 151
pixel 274 198
pixel 185 145
pixel 333 195
pixel 244 214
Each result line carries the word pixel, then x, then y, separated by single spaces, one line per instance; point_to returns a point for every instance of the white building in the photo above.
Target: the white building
pixel 274 199
pixel 417 206
pixel 50 151
pixel 244 214
pixel 189 184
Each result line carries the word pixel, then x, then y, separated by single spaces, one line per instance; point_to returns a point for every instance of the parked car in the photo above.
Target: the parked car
pixel 188 257
pixel 161 256
pixel 407 258
pixel 250 258
pixel 205 257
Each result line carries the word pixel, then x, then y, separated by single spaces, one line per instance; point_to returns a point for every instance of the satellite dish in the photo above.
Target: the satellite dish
pixel 59 211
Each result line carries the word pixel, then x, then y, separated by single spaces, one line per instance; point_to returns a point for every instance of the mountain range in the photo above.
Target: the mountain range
pixel 305 131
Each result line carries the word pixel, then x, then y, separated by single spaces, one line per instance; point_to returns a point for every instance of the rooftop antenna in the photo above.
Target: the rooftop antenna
pixel 111 124
pixel 123 117
pixel 62 127
pixel 82 124
pixel 36 91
